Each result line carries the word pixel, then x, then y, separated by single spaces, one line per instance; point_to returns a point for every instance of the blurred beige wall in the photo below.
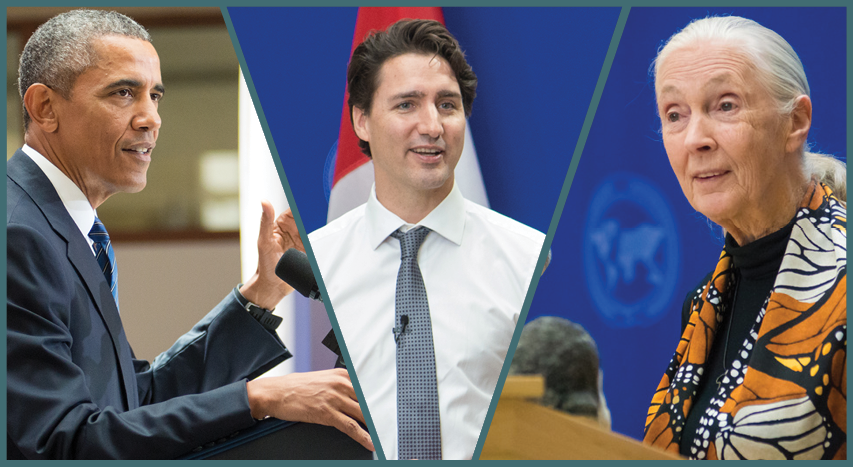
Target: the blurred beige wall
pixel 166 287
pixel 199 111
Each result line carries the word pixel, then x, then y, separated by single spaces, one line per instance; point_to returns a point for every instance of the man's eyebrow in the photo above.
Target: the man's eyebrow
pixel 132 83
pixel 419 94
pixel 408 95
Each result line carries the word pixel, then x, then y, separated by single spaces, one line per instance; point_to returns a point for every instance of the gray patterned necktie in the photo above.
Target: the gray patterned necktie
pixel 418 423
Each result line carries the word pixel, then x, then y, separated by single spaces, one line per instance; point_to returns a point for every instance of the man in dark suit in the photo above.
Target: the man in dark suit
pixel 90 83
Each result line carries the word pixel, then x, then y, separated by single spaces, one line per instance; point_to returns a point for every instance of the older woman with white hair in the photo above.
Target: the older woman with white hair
pixel 760 370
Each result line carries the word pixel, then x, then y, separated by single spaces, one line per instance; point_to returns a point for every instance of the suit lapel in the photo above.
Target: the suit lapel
pixel 23 171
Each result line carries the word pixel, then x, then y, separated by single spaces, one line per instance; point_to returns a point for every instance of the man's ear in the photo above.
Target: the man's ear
pixel 360 124
pixel 39 101
pixel 801 122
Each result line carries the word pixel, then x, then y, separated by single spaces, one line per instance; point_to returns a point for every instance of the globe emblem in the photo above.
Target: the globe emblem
pixel 630 251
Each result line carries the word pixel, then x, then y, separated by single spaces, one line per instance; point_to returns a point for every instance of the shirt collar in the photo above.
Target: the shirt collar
pixel 72 197
pixel 447 219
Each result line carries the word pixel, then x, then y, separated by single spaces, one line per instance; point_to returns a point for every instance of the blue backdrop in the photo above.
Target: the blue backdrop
pixel 629 246
pixel 537 69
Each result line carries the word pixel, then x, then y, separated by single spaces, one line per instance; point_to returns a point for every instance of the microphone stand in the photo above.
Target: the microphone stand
pixel 331 342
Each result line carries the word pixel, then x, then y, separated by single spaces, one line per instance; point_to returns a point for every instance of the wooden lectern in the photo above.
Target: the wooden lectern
pixel 523 429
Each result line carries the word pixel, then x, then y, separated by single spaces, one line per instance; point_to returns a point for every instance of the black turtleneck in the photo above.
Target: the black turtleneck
pixel 755 267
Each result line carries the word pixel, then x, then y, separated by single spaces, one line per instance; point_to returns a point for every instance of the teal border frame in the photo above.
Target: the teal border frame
pixel 624 4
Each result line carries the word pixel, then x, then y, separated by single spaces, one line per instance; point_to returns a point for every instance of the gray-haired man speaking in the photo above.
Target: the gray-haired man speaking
pixel 91 87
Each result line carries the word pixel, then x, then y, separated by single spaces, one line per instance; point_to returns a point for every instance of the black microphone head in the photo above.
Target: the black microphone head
pixel 294 268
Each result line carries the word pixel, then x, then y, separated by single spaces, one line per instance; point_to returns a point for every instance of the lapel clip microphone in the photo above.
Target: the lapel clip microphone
pixel 399 330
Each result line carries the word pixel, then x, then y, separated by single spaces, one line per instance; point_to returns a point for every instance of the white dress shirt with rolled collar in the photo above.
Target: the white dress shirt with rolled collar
pixel 476 265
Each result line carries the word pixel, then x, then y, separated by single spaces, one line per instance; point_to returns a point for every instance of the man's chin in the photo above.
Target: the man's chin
pixel 135 186
pixel 437 182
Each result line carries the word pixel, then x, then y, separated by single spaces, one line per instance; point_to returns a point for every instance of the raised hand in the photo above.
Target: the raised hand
pixel 264 288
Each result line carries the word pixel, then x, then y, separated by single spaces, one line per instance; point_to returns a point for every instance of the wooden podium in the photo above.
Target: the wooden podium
pixel 523 429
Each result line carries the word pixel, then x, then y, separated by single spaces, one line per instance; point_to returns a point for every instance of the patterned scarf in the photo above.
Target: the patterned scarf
pixel 785 395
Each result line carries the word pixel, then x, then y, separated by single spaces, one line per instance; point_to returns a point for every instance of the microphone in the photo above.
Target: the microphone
pixel 294 268
pixel 399 330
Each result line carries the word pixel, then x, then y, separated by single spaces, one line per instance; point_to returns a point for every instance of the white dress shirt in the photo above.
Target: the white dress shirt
pixel 476 265
pixel 75 202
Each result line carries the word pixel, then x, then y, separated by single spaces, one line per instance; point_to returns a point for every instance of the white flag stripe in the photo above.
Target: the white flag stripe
pixel 259 180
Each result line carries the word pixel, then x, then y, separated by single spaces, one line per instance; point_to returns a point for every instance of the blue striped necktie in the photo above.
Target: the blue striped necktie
pixel 105 255
pixel 418 421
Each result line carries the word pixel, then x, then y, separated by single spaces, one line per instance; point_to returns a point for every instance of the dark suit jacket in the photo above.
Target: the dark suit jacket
pixel 74 389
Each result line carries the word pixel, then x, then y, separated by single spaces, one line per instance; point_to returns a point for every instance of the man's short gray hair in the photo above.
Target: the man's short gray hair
pixel 778 69
pixel 61 49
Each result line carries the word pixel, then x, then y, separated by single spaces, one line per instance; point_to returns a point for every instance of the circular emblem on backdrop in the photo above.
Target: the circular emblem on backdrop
pixel 630 251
